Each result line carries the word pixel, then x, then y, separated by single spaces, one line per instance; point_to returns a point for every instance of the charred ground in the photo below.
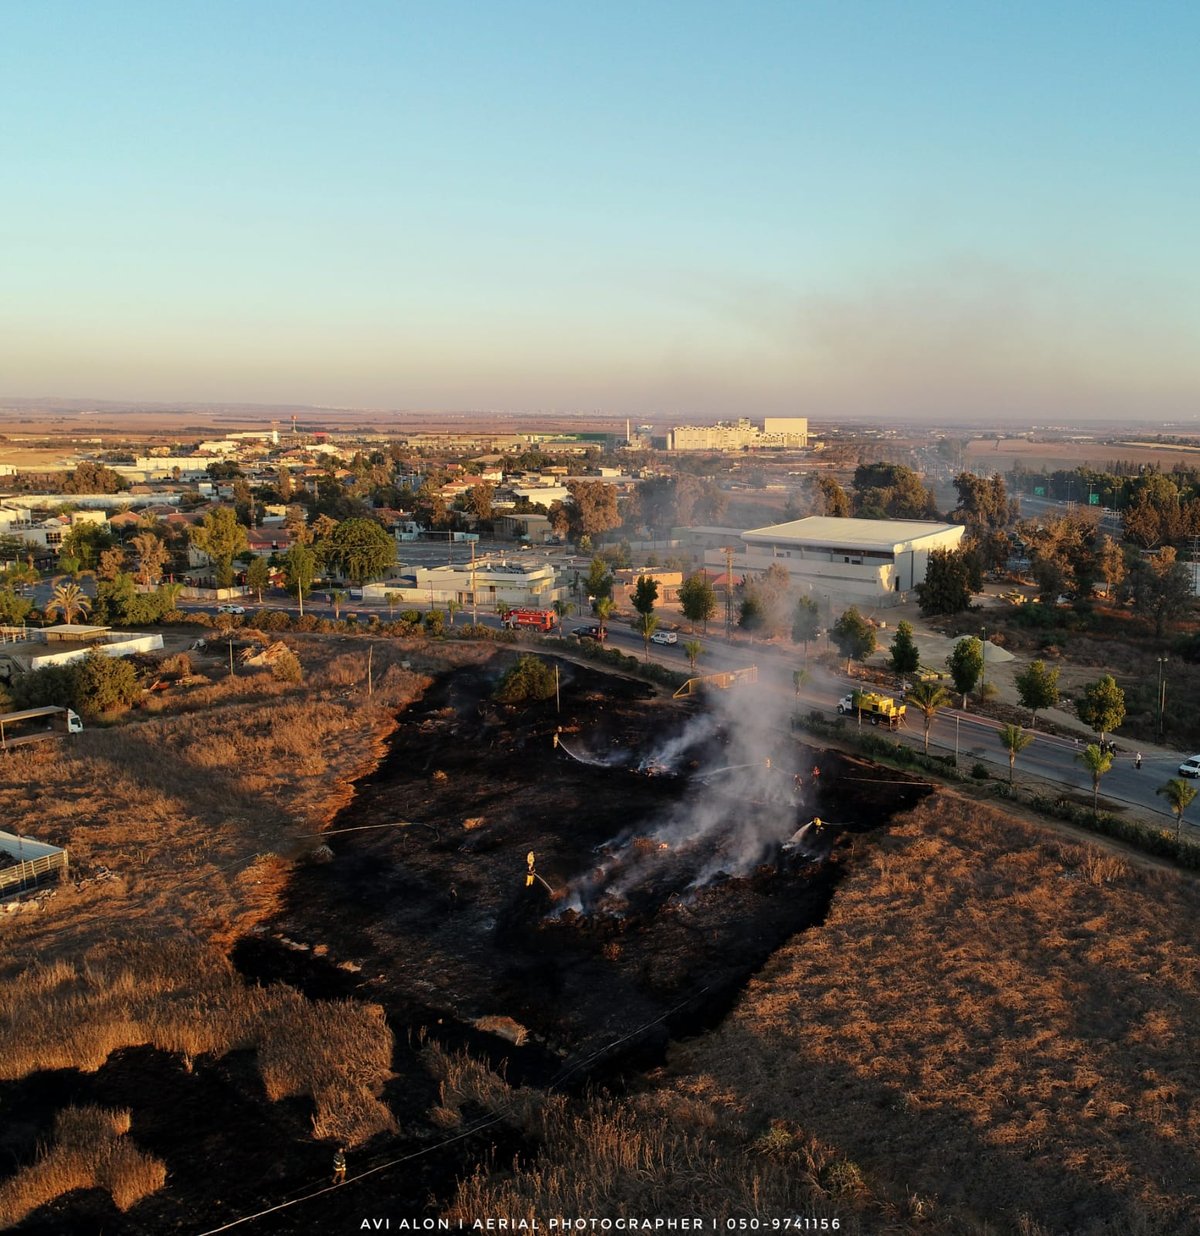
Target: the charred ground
pixel 424 908
pixel 431 896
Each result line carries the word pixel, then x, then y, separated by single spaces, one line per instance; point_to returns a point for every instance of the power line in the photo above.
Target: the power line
pixel 478 1127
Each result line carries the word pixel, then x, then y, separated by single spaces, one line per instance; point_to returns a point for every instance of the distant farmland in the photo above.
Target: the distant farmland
pixel 1001 456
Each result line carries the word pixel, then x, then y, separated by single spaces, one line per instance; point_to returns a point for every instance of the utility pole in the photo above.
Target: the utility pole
pixel 370 680
pixel 474 601
pixel 728 591
pixel 1162 695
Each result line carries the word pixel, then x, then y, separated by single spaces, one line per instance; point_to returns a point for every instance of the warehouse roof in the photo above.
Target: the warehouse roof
pixel 828 530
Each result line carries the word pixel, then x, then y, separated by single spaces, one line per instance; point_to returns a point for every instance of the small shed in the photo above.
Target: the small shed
pixel 25 863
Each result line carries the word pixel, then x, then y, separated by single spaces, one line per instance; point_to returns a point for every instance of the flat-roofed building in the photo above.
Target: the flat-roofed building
pixel 873 561
pixel 777 432
pixel 486 584
pixel 24 649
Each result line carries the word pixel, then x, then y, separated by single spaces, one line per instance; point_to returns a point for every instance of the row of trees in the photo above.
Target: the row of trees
pixel 356 549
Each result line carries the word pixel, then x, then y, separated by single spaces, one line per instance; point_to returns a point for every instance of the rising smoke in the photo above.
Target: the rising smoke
pixel 743 802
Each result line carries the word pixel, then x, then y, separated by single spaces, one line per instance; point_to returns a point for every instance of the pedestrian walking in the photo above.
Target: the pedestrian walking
pixel 1137 760
pixel 339 1166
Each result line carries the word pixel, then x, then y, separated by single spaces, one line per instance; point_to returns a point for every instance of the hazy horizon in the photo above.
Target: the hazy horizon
pixel 927 212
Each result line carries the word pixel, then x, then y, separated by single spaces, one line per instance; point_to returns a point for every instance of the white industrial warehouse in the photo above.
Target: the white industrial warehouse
pixel 868 561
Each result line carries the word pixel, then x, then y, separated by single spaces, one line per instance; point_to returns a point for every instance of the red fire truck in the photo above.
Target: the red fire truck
pixel 542 619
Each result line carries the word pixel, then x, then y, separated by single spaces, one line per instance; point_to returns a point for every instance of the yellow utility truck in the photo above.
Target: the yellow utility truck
pixel 875 707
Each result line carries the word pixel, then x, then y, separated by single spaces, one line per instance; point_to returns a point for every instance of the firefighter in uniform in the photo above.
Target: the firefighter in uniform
pixel 339 1166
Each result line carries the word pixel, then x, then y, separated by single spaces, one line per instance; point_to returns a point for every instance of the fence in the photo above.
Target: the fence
pixel 36 861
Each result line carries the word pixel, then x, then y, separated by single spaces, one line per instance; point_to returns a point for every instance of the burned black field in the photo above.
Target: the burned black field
pixel 662 878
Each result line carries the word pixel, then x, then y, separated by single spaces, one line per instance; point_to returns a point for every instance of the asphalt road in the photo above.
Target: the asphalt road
pixel 972 737
pixel 953 730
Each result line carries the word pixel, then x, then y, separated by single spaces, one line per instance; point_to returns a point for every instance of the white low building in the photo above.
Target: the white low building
pixel 487 585
pixel 24 649
pixel 865 561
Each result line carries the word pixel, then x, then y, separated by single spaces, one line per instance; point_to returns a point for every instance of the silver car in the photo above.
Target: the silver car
pixel 1190 767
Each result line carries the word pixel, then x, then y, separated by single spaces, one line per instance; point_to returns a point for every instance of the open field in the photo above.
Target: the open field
pixel 986 458
pixel 991 1032
pixel 958 1023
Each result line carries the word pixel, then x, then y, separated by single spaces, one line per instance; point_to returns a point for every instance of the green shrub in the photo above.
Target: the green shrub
pixel 411 616
pixel 286 667
pixel 1157 841
pixel 529 679
pixel 105 684
pixel 271 620
pixel 53 685
pixel 435 623
pixel 979 771
pixel 95 684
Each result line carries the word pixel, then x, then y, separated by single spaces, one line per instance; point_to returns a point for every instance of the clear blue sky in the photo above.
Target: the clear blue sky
pixel 695 208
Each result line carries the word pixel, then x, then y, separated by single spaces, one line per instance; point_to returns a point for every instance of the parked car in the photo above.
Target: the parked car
pixel 231 609
pixel 1190 767
pixel 664 637
pixel 593 632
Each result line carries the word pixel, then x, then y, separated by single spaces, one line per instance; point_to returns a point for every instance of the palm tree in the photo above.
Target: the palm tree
pixel 561 609
pixel 338 599
pixel 692 650
pixel 1179 795
pixel 71 600
pixel 929 698
pixel 1014 740
pixel 18 574
pixel 452 608
pixel 604 608
pixel 1097 761
pixel 392 599
pixel 647 625
pixel 170 594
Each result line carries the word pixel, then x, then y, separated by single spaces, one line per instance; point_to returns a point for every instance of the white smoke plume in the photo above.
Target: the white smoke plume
pixel 732 817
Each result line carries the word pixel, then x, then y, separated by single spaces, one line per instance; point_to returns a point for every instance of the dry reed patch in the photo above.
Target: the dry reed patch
pixel 90 1151
pixel 339 1053
pixel 653 1154
pixel 184 999
pixel 187 806
pixel 982 989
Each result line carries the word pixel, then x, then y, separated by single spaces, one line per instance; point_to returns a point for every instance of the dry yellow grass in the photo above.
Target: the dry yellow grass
pixel 181 999
pixel 89 1151
pixel 198 810
pixel 992 1032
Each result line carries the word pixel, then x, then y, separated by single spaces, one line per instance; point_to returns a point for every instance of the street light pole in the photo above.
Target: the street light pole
pixel 983 654
pixel 1162 695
